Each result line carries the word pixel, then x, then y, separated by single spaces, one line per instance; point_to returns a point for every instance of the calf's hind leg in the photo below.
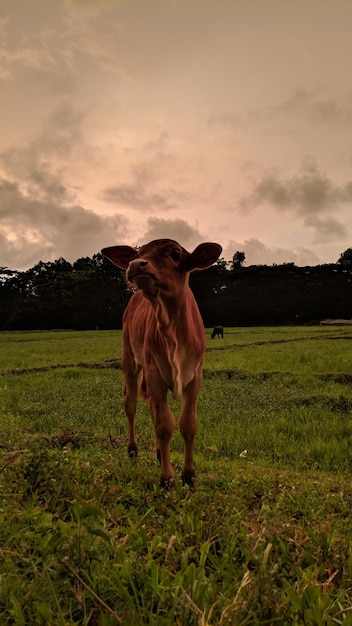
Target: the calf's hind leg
pixel 130 405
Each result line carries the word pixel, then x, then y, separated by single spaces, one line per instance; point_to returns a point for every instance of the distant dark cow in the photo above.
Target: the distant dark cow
pixel 218 330
pixel 163 335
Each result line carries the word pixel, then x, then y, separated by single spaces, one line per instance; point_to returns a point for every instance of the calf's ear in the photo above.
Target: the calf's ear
pixel 203 256
pixel 120 255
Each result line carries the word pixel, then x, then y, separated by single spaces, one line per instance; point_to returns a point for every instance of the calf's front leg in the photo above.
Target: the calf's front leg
pixel 164 426
pixel 187 427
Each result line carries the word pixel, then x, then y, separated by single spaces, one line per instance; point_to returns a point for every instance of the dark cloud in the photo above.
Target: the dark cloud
pixel 145 191
pixel 178 229
pixel 128 195
pixel 40 217
pixel 62 131
pixel 41 163
pixel 325 229
pixel 309 194
pixel 315 107
pixel 35 173
pixel 32 230
pixel 257 253
pixel 137 197
pixel 302 105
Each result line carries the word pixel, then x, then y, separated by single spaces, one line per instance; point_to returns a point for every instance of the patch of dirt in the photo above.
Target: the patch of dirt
pixel 335 405
pixel 272 342
pixel 79 439
pixel 112 363
pixel 343 379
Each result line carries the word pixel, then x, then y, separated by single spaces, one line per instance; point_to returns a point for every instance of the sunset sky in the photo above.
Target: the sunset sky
pixel 124 121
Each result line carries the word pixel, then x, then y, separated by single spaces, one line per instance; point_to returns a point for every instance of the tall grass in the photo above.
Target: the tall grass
pixel 86 535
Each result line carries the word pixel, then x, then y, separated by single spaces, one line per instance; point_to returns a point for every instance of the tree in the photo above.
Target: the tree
pixel 91 293
pixel 221 264
pixel 346 257
pixel 237 260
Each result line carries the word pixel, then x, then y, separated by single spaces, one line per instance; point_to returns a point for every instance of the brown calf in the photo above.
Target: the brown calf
pixel 163 335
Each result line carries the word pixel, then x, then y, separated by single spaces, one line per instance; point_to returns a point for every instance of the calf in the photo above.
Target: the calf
pixel 218 330
pixel 163 335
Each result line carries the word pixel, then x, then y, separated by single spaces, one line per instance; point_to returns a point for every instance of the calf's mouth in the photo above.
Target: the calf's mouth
pixel 147 282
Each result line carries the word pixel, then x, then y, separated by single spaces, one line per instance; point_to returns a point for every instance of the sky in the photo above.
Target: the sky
pixel 123 121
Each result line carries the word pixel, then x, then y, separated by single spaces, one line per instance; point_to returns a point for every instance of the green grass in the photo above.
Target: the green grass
pixel 86 535
pixel 300 350
pixel 44 349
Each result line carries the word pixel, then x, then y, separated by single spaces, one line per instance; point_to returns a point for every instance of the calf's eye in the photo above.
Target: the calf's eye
pixel 175 255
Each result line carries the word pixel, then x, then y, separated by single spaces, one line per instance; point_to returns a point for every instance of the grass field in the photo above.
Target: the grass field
pixel 86 535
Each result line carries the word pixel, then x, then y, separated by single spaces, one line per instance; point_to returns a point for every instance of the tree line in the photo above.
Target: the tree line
pixel 92 293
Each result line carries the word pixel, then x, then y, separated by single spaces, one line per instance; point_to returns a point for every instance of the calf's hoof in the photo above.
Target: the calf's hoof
pixel 132 450
pixel 189 478
pixel 167 483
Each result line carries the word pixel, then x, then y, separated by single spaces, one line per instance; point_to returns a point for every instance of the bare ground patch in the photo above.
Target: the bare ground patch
pixel 111 363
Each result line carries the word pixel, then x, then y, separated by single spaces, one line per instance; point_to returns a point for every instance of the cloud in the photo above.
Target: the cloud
pixel 315 107
pixel 303 105
pixel 180 230
pixel 308 192
pixel 137 197
pixel 41 163
pixel 310 195
pixel 97 32
pixel 30 58
pixel 40 217
pixel 35 50
pixel 325 229
pixel 145 192
pixel 257 253
pixel 32 230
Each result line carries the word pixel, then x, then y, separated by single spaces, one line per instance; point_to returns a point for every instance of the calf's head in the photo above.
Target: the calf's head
pixel 161 266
